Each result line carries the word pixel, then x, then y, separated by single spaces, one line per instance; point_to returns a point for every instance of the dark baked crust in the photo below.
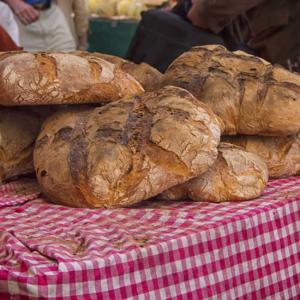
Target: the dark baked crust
pixel 19 127
pixel 61 78
pixel 246 92
pixel 280 153
pixel 126 151
pixel 147 76
pixel 236 175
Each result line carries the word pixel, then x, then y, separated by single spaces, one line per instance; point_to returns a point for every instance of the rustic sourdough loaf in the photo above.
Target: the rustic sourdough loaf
pixel 19 128
pixel 246 92
pixel 126 151
pixel 147 76
pixel 281 154
pixel 236 175
pixel 61 78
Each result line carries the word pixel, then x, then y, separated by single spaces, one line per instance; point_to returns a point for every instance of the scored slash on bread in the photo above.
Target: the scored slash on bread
pixel 249 94
pixel 147 76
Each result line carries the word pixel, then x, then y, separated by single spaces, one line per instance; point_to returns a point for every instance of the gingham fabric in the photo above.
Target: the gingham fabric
pixel 18 192
pixel 154 249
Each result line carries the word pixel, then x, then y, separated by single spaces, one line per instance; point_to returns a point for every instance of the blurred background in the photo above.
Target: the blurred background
pixel 154 31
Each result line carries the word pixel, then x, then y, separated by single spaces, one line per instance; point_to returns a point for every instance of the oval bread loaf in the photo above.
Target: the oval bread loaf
pixel 147 76
pixel 126 151
pixel 19 128
pixel 280 153
pixel 246 92
pixel 61 78
pixel 236 175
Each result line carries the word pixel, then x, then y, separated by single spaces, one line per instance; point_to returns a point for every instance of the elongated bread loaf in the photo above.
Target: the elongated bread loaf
pixel 281 154
pixel 236 175
pixel 246 92
pixel 126 151
pixel 61 78
pixel 19 128
pixel 147 76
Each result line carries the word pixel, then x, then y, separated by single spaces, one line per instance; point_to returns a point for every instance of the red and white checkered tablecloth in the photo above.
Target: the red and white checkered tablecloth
pixel 19 192
pixel 154 249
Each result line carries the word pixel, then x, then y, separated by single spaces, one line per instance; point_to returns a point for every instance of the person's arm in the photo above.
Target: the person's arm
pixel 25 12
pixel 81 23
pixel 216 14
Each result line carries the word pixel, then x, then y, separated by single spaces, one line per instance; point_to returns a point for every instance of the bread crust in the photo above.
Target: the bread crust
pixel 281 154
pixel 126 151
pixel 61 78
pixel 19 128
pixel 147 76
pixel 249 94
pixel 236 175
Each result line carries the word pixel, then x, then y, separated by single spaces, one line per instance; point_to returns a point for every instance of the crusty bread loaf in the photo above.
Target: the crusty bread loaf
pixel 61 78
pixel 236 175
pixel 246 92
pixel 281 154
pixel 126 151
pixel 147 76
pixel 19 127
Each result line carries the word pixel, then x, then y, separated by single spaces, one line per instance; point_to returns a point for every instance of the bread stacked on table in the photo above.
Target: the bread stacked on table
pixel 29 79
pixel 258 103
pixel 133 140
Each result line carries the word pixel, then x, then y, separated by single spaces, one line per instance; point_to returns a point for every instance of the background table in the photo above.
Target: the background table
pixel 152 250
pixel 111 36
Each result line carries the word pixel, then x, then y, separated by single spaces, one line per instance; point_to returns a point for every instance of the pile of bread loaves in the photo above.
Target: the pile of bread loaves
pixel 100 131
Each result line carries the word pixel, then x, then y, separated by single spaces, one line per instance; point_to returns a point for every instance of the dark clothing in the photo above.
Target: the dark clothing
pixel 270 27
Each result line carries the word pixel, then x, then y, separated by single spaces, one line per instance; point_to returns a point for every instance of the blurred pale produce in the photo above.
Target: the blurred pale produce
pixel 123 6
pixel 91 5
pixel 135 9
pixel 114 3
pixel 105 10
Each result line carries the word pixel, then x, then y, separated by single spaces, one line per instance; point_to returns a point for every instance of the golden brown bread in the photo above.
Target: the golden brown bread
pixel 246 92
pixel 61 78
pixel 147 76
pixel 236 175
pixel 281 154
pixel 19 127
pixel 126 151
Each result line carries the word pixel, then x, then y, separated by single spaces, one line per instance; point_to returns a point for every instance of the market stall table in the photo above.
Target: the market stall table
pixel 152 250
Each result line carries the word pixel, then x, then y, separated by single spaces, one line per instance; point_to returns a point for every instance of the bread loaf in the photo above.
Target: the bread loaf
pixel 147 76
pixel 19 127
pixel 236 175
pixel 246 92
pixel 126 151
pixel 61 78
pixel 281 154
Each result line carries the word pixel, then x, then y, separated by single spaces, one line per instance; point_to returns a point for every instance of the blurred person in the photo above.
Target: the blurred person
pixel 270 27
pixel 8 23
pixel 42 26
pixel 78 24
